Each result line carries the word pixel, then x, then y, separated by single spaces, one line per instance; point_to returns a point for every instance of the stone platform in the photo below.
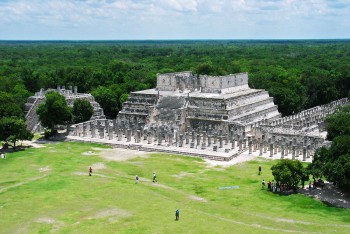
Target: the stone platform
pixel 222 154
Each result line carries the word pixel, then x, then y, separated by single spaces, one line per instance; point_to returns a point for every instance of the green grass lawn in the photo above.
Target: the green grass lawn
pixel 48 190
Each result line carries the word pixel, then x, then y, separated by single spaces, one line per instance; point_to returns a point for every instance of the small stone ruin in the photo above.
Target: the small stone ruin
pixel 216 117
pixel 71 94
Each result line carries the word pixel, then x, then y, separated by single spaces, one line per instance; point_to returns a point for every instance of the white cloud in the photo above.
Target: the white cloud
pixel 128 19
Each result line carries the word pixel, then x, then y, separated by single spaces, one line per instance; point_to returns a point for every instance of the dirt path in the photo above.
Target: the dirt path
pixel 21 183
pixel 329 195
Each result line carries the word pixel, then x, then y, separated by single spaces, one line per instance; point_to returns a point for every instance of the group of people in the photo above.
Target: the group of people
pixel 154 179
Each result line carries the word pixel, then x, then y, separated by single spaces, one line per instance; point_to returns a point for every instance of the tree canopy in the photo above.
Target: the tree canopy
pixel 108 101
pixel 299 74
pixel 289 172
pixel 54 110
pixel 338 124
pixel 14 129
pixel 82 110
pixel 334 162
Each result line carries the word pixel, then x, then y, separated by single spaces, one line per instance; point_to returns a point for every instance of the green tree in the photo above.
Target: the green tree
pixel 123 98
pixel 288 101
pixel 30 80
pixel 334 163
pixel 338 124
pixel 289 172
pixel 8 106
pixel 54 111
pixel 108 101
pixel 82 110
pixel 14 129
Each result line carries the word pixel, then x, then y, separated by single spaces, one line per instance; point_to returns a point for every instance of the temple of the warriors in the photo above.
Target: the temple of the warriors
pixel 70 94
pixel 183 101
pixel 216 117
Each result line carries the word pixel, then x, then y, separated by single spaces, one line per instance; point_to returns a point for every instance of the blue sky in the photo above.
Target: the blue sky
pixel 173 19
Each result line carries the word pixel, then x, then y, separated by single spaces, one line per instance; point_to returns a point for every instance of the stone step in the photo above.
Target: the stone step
pixel 263 102
pixel 259 112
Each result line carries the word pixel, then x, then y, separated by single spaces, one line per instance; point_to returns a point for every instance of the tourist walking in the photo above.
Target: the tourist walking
pixel 90 171
pixel 263 184
pixel 154 177
pixel 177 214
pixel 259 170
pixel 137 179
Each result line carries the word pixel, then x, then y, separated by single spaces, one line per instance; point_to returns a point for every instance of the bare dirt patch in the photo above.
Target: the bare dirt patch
pixel 89 153
pixel 55 224
pixel 32 144
pixel 44 169
pixel 113 214
pixel 98 166
pixel 79 173
pixel 120 154
pixel 182 174
pixel 196 198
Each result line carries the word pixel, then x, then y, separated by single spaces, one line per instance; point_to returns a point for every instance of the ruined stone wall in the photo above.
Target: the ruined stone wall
pixel 223 84
pixel 174 81
pixel 32 119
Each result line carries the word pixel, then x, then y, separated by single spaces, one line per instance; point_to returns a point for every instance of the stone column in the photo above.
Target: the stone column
pixel 308 147
pixel 220 141
pixel 240 145
pixel 181 140
pixel 304 153
pixel 198 140
pixel 209 140
pixel 138 136
pixel 233 143
pixel 101 130
pixel 271 149
pixel 215 138
pixel 261 148
pixel 263 143
pixel 187 137
pixel 290 146
pixel 159 137
pixel 84 129
pixel 282 150
pixel 110 131
pixel 293 152
pixel 120 134
pixel 149 138
pixel 93 129
pixel 204 140
pixel 170 139
pixel 254 144
pixel 250 144
pixel 128 135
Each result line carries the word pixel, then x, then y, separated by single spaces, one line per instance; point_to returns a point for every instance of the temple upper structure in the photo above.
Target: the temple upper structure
pixel 186 100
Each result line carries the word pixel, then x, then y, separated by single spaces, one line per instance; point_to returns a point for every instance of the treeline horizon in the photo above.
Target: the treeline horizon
pixel 298 73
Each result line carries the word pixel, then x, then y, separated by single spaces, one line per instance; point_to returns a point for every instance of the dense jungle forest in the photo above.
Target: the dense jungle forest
pixel 299 74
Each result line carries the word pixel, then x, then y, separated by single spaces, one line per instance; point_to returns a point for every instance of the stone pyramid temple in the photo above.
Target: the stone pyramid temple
pixel 215 117
pixel 184 100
